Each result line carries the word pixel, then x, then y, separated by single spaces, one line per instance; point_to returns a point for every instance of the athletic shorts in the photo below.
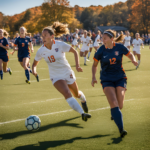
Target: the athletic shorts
pixel 137 51
pixel 121 83
pixel 4 58
pixel 70 79
pixel 84 48
pixel 20 59
pixel 74 43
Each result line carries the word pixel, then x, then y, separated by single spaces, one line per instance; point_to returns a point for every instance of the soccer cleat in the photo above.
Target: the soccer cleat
pixel 85 116
pixel 85 64
pixel 1 76
pixel 85 108
pixel 137 67
pixel 123 133
pixel 27 81
pixel 37 78
pixel 10 72
pixel 87 59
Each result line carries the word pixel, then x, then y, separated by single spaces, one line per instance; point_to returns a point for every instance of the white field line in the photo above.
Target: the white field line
pixel 1 123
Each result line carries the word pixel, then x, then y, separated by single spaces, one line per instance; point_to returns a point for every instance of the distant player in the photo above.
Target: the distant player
pixel 127 40
pixel 97 41
pixel 137 42
pixel 75 40
pixel 85 47
pixel 3 53
pixel 61 74
pixel 91 44
pixel 22 46
pixel 113 77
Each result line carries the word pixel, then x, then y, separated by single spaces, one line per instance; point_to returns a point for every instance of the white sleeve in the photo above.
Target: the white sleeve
pixel 141 42
pixel 133 42
pixel 38 56
pixel 65 47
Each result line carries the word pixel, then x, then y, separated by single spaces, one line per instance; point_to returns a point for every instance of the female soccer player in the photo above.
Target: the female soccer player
pixel 137 42
pixel 85 47
pixel 21 45
pixel 97 41
pixel 127 40
pixel 61 74
pixel 91 44
pixel 3 53
pixel 76 37
pixel 113 77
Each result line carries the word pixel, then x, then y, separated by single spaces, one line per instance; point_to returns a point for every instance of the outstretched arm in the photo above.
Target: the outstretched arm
pixel 5 47
pixel 78 68
pixel 94 69
pixel 31 46
pixel 34 65
pixel 132 58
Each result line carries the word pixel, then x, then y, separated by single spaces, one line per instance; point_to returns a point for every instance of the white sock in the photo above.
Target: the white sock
pixel 75 105
pixel 8 69
pixel 89 54
pixel 82 98
pixel 79 46
pixel 85 60
pixel 139 62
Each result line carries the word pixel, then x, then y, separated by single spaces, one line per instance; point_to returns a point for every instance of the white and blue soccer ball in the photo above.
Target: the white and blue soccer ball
pixel 33 123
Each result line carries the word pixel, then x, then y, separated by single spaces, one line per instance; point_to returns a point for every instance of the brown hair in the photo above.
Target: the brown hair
pixel 57 29
pixel 89 34
pixel 5 33
pixel 119 39
pixel 28 34
pixel 98 31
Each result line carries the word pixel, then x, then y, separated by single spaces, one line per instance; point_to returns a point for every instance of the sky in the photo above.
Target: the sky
pixel 11 7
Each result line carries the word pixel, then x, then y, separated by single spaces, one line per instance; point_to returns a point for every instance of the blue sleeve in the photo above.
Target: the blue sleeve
pixel 29 40
pixel 16 42
pixel 125 50
pixel 6 42
pixel 98 54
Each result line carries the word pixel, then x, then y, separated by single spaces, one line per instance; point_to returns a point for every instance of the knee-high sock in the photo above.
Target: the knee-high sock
pixel 30 69
pixel 82 98
pixel 27 74
pixel 89 54
pixel 1 74
pixel 117 116
pixel 139 62
pixel 75 105
pixel 85 60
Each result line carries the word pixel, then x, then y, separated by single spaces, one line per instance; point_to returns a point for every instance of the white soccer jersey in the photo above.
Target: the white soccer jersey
pixel 85 41
pixel 127 41
pixel 75 42
pixel 56 59
pixel 96 43
pixel 137 44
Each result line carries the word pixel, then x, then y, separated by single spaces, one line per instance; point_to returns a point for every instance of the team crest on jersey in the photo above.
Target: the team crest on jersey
pixel 71 76
pixel 56 49
pixel 116 53
pixel 26 40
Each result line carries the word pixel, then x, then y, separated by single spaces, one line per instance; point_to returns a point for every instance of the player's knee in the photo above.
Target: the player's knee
pixel 25 66
pixel 67 94
pixel 121 106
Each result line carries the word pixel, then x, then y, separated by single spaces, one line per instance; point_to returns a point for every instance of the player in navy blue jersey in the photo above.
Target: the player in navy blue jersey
pixel 22 46
pixel 3 53
pixel 112 75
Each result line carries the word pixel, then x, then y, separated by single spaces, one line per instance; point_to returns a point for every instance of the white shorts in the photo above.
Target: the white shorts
pixel 91 45
pixel 96 44
pixel 126 45
pixel 137 51
pixel 84 48
pixel 74 43
pixel 70 78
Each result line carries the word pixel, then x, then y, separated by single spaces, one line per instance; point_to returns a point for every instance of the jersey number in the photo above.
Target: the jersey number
pixel 23 44
pixel 112 61
pixel 51 59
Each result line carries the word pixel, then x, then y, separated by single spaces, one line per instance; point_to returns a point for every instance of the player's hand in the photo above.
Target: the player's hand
pixel 135 63
pixel 12 52
pixel 79 69
pixel 32 50
pixel 143 47
pixel 93 81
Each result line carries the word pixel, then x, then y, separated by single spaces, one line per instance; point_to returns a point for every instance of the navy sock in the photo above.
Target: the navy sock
pixel 27 74
pixel 1 74
pixel 83 103
pixel 117 116
pixel 30 69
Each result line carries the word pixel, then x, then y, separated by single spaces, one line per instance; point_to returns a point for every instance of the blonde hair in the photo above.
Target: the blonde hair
pixel 113 33
pixel 5 33
pixel 28 34
pixel 24 29
pixel 98 32
pixel 57 29
pixel 89 34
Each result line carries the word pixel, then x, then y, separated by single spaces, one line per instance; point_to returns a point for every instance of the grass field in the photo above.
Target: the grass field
pixel 61 127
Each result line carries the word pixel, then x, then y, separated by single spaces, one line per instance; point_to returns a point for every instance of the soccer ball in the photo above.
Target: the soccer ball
pixel 33 123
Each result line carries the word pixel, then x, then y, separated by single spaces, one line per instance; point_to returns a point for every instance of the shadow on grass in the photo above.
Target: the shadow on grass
pixel 51 144
pixel 115 141
pixel 43 128
pixel 130 69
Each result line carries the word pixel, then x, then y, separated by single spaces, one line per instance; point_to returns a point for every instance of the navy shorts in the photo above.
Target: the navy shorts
pixel 4 58
pixel 20 59
pixel 121 83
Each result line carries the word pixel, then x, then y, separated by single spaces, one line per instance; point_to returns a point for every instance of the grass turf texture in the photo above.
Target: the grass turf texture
pixel 66 130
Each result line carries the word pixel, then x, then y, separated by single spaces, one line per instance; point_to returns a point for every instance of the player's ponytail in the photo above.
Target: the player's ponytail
pixel 5 33
pixel 112 34
pixel 57 29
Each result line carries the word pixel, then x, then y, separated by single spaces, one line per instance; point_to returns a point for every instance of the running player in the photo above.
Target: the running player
pixel 21 45
pixel 127 40
pixel 61 74
pixel 3 53
pixel 75 40
pixel 97 41
pixel 85 47
pixel 113 77
pixel 91 44
pixel 137 42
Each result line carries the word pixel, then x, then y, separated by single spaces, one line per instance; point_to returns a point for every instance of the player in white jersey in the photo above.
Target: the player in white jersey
pixel 97 41
pixel 85 47
pixel 75 40
pixel 127 40
pixel 91 45
pixel 61 74
pixel 137 42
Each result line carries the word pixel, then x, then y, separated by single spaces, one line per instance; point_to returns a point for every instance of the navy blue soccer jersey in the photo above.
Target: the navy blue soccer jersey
pixel 23 46
pixel 111 62
pixel 3 52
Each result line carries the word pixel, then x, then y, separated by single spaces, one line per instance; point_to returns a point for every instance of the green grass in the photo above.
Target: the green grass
pixel 66 130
